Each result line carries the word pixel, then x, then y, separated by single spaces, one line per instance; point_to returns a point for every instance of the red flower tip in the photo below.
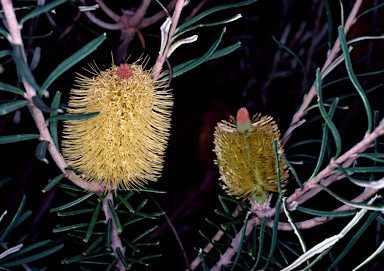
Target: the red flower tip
pixel 242 115
pixel 124 71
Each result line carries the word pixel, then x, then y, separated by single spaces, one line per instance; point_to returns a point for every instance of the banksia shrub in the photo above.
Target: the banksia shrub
pixel 124 145
pixel 245 155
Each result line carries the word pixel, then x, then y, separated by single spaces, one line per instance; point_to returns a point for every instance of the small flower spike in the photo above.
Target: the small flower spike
pixel 245 155
pixel 123 146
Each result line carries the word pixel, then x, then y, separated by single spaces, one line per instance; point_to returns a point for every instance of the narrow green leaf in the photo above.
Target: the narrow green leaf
pixel 220 213
pixel 326 116
pixel 231 199
pixel 213 10
pixel 40 104
pixel 211 242
pixel 31 247
pixel 329 24
pixel 3 182
pixel 292 169
pixel 378 157
pixel 42 9
pixel 324 139
pixel 131 245
pixel 92 222
pixel 326 213
pixel 23 217
pixel 298 61
pixel 116 219
pixel 41 151
pixel 73 116
pixel 71 227
pixel 241 242
pixel 369 10
pixel 144 234
pixel 16 138
pixel 224 230
pixel 22 67
pixel 111 266
pixel 141 205
pixel 354 239
pixel 108 235
pixel 53 123
pixel 146 190
pixel 72 60
pixel 254 243
pixel 6 108
pixel 34 257
pixel 9 88
pixel 275 150
pixel 352 76
pixel 73 203
pixel 14 220
pixel 202 260
pixel 73 259
pixel 362 169
pixel 261 241
pixel 122 258
pixel 359 205
pixel 182 68
pixel 274 229
pixel 225 51
pixel 53 183
pixel 129 207
pixel 3 32
pixel 4 53
pixel 93 246
pixel 77 212
pixel 207 25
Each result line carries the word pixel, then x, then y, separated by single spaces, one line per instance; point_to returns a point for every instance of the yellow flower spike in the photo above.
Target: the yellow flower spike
pixel 123 146
pixel 245 155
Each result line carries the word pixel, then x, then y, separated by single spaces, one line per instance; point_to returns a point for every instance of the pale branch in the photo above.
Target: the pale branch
pixel 115 238
pixel 109 26
pixel 331 57
pixel 326 177
pixel 108 11
pixel 154 18
pixel 232 249
pixel 172 31
pixel 42 126
pixel 139 13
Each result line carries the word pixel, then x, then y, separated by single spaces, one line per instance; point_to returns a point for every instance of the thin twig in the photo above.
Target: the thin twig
pixel 332 55
pixel 115 238
pixel 170 224
pixel 15 39
pixel 173 29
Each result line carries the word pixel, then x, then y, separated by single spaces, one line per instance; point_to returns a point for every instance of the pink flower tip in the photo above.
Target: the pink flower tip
pixel 124 71
pixel 242 115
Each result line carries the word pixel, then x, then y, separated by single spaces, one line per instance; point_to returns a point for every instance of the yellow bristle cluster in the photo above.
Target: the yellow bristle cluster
pixel 246 159
pixel 123 146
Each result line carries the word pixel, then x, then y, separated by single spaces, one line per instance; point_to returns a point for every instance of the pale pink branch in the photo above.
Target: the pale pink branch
pixel 108 11
pixel 42 126
pixel 95 20
pixel 140 13
pixel 331 56
pixel 154 18
pixel 115 238
pixel 175 19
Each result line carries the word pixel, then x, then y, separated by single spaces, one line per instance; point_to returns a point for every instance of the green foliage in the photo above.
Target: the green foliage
pixel 108 230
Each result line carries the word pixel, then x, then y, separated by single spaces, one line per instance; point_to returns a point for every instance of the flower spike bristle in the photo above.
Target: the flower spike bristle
pixel 123 146
pixel 245 155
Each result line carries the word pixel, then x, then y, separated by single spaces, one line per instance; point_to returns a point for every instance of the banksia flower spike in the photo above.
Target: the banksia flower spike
pixel 245 155
pixel 123 146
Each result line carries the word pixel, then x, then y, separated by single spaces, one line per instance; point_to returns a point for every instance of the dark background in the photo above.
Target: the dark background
pixel 260 76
